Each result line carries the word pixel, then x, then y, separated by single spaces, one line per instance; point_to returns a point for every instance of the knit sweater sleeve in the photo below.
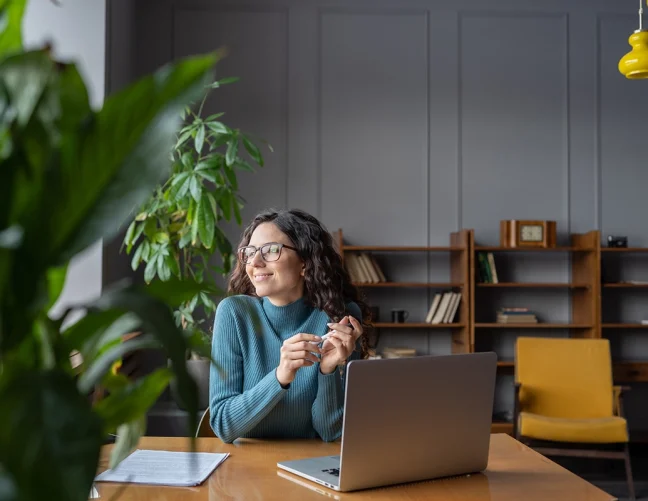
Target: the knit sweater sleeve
pixel 233 412
pixel 328 407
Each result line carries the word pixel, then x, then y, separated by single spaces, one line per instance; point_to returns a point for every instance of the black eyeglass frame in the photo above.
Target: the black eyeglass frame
pixel 239 252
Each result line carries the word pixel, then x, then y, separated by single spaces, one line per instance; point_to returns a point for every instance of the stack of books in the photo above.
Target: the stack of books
pixel 363 268
pixel 516 316
pixel 444 308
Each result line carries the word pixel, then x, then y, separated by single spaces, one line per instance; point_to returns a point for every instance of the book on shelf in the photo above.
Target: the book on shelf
pixel 363 268
pixel 443 308
pixel 516 315
pixel 486 268
pixel 394 352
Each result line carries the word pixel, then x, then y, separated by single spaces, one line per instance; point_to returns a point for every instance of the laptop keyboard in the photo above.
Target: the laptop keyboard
pixel 333 471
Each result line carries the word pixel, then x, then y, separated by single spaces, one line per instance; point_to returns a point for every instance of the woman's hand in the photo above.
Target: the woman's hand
pixel 340 343
pixel 296 352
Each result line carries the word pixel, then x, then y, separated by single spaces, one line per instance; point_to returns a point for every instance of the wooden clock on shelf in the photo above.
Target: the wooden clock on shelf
pixel 525 233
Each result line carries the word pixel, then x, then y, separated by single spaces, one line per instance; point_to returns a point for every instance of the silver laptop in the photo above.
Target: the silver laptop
pixel 409 419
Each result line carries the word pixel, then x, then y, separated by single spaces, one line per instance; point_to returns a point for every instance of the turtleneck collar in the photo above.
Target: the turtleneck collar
pixel 287 318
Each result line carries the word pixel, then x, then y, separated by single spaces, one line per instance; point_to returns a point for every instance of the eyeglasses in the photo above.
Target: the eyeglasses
pixel 269 252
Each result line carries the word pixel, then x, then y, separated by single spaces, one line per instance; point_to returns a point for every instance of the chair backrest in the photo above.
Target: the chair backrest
pixel 566 378
pixel 204 428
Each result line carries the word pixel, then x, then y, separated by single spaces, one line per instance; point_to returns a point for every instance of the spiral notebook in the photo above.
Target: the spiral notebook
pixel 182 469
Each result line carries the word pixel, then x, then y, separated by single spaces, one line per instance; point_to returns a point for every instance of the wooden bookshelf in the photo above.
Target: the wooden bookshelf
pixel 613 258
pixel 583 287
pixel 457 253
pixel 584 291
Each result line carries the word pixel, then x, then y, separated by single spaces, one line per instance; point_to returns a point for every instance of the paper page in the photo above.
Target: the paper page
pixel 164 468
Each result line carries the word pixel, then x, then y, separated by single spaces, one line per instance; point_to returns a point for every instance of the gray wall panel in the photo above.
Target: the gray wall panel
pixel 513 120
pixel 257 104
pixel 373 126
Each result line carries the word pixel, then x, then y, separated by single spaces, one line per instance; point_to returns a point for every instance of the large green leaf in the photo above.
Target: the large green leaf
pixel 93 374
pixel 131 402
pixel 123 155
pixel 84 331
pixel 26 77
pixel 206 222
pixel 55 283
pixel 49 437
pixel 11 14
pixel 175 292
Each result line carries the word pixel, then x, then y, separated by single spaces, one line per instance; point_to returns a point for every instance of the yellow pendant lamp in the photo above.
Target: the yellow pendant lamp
pixel 634 65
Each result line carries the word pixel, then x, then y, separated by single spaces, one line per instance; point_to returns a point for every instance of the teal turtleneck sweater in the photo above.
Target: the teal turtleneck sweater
pixel 245 397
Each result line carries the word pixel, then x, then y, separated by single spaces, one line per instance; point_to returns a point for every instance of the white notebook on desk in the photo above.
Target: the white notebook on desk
pixel 183 469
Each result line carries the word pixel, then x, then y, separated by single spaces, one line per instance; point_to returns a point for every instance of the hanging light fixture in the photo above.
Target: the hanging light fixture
pixel 634 64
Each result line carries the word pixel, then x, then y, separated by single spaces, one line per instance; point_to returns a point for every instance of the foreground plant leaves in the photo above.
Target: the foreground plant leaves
pixel 49 437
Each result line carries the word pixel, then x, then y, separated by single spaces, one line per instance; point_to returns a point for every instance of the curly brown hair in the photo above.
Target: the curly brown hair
pixel 327 285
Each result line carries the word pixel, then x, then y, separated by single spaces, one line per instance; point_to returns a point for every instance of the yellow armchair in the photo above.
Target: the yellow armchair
pixel 565 398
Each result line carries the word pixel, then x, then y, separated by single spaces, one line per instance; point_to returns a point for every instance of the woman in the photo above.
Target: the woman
pixel 273 378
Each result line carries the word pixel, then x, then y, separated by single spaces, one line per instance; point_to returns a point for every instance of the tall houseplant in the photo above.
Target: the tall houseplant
pixel 179 228
pixel 71 175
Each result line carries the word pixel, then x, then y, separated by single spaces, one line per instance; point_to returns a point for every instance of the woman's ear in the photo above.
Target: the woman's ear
pixel 303 269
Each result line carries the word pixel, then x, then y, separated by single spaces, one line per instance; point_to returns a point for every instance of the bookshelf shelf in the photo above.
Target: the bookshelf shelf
pixel 416 325
pixel 630 372
pixel 625 285
pixel 487 248
pixel 555 285
pixel 391 248
pixel 539 325
pixel 624 326
pixel 438 285
pixel 638 250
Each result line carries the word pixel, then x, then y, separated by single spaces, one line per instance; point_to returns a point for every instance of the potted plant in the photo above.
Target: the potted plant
pixel 71 175
pixel 178 230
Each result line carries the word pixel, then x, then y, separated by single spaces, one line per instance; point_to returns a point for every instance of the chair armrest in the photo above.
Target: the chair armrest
pixel 617 392
pixel 516 409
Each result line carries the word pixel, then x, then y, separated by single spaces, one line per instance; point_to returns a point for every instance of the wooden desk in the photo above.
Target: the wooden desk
pixel 514 472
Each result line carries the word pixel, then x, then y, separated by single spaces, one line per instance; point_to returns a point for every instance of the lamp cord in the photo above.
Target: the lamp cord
pixel 640 15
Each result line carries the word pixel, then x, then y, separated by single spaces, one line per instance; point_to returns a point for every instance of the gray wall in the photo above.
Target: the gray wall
pixel 402 120
pixel 77 30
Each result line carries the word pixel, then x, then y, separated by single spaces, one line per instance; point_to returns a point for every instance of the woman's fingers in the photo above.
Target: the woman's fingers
pixel 302 354
pixel 335 341
pixel 345 342
pixel 312 338
pixel 357 327
pixel 342 326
